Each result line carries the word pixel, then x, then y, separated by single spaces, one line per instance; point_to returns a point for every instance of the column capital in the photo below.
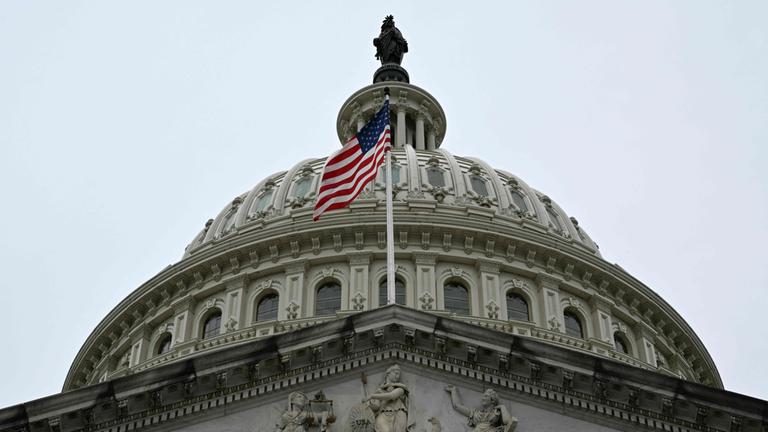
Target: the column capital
pixel 425 258
pixel 546 281
pixel 600 302
pixel 298 266
pixel 359 258
pixel 488 266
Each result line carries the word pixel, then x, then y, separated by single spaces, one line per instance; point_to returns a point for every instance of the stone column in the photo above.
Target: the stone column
pixel 140 347
pixel 182 323
pixel 360 123
pixel 400 138
pixel 490 287
pixel 644 336
pixel 431 139
pixel 602 323
pixel 426 289
pixel 294 290
pixel 549 299
pixel 419 141
pixel 360 297
pixel 233 315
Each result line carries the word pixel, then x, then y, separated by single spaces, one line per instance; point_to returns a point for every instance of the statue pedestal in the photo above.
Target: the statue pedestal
pixel 390 72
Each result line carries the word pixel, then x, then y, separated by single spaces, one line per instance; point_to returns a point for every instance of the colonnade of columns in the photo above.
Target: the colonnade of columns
pixel 423 136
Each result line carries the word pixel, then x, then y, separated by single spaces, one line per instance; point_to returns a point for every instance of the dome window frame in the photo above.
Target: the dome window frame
pixel 457 306
pixel 230 218
pixel 515 293
pixel 396 167
pixel 433 166
pixel 214 330
pixel 272 313
pixel 327 310
pixel 571 316
pixel 398 294
pixel 519 199
pixel 164 344
pixel 621 343
pixel 263 200
pixel 303 187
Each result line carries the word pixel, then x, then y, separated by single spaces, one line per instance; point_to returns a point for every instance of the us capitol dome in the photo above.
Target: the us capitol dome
pixel 474 243
pixel 502 297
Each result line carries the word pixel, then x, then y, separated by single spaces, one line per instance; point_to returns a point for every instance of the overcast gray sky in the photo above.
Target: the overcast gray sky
pixel 124 126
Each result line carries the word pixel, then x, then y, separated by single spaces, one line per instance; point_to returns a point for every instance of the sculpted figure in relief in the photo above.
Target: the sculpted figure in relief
pixel 390 403
pixel 299 416
pixel 490 417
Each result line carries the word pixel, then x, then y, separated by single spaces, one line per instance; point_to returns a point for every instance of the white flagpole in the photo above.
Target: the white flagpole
pixel 390 227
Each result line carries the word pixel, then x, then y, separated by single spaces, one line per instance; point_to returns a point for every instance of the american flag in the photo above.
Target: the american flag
pixel 347 171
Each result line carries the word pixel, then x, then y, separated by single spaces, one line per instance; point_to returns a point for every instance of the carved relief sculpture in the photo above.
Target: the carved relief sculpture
pixel 300 417
pixel 390 403
pixel 490 417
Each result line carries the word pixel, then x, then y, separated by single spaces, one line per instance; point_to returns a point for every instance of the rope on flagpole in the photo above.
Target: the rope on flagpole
pixel 390 224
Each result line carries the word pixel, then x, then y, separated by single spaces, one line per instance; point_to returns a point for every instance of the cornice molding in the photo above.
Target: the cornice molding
pixel 529 371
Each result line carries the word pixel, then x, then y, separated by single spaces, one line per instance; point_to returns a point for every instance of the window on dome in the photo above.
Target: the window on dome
pixel 399 292
pixel 479 186
pixel 572 325
pixel 263 201
pixel 517 307
pixel 435 177
pixel 518 199
pixel 301 188
pixel 229 222
pixel 554 219
pixel 267 308
pixel 212 325
pixel 328 299
pixel 456 298
pixel 621 345
pixel 163 344
pixel 395 174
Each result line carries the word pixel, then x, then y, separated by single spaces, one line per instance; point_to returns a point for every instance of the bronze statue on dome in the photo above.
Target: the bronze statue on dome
pixel 390 45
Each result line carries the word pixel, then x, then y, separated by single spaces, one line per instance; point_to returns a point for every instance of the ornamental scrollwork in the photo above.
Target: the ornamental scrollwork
pixel 293 310
pixel 426 301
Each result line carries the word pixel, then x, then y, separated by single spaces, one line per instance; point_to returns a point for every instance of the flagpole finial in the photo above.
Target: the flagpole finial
pixel 386 91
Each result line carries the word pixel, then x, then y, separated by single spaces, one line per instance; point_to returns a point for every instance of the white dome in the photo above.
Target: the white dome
pixel 471 189
pixel 472 242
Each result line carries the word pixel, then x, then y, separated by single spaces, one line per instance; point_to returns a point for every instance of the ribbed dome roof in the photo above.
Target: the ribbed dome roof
pixel 426 181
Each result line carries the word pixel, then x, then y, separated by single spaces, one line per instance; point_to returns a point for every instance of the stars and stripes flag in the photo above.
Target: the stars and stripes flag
pixel 347 171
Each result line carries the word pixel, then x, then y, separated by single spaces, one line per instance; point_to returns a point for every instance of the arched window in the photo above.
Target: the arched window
pixel 328 299
pixel 263 201
pixel 517 307
pixel 267 308
pixel 573 325
pixel 519 200
pixel 456 298
pixel 435 177
pixel 301 188
pixel 163 344
pixel 554 219
pixel 399 292
pixel 212 325
pixel 621 344
pixel 479 186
